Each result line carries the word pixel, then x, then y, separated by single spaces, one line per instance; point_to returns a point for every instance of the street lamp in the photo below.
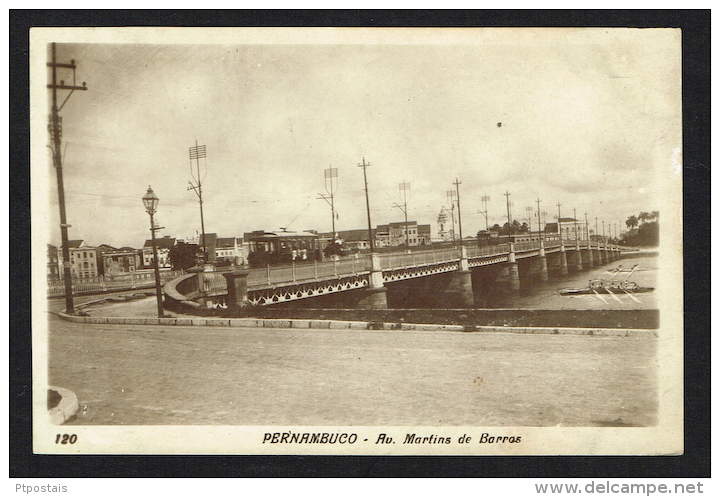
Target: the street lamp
pixel 151 201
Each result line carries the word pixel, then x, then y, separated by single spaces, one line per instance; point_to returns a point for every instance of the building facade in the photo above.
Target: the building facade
pixel 446 226
pixel 230 250
pixel 83 259
pixel 164 245
pixel 53 259
pixel 409 233
pixel 121 261
pixel 569 228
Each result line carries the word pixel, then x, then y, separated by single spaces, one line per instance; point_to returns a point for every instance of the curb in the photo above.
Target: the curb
pixel 67 407
pixel 355 325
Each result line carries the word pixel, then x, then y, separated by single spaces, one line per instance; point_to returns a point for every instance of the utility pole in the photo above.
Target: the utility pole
pixel 367 203
pixel 597 232
pixel 587 228
pixel 197 153
pixel 539 221
pixel 451 195
pixel 330 174
pixel 575 219
pixel 457 188
pixel 507 201
pixel 56 131
pixel 404 187
pixel 559 230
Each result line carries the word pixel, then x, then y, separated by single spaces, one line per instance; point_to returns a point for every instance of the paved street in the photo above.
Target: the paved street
pixel 129 375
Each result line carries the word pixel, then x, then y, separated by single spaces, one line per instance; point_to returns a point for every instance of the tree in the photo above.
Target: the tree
pixel 511 229
pixel 643 217
pixel 647 235
pixel 631 222
pixel 183 255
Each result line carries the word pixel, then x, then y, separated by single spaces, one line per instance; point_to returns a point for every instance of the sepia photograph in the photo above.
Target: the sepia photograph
pixel 352 241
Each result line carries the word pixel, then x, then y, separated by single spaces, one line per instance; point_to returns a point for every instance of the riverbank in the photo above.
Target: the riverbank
pixel 138 309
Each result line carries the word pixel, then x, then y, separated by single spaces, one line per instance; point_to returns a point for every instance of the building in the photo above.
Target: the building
pixel 121 261
pixel 164 245
pixel 382 236
pixel 568 226
pixel 385 235
pixel 53 259
pixel 209 245
pixel 409 233
pixel 99 251
pixel 231 250
pixel 446 226
pixel 83 259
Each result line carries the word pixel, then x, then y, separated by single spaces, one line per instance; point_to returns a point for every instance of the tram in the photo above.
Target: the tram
pixel 283 247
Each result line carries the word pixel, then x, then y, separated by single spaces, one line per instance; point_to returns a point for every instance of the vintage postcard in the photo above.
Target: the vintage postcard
pixel 357 241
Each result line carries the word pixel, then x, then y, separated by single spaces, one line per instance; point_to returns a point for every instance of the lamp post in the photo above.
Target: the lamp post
pixel 151 201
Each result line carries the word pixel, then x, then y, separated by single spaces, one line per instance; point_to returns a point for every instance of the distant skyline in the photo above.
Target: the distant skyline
pixel 589 118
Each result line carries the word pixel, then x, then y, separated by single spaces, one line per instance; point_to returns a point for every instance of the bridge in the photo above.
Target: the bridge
pixel 375 273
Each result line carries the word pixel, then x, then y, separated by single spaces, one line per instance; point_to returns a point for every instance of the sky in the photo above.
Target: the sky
pixel 588 118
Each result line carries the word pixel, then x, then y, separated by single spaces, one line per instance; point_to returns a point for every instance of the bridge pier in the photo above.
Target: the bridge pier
pixel 560 265
pixel 543 262
pixel 237 297
pixel 589 260
pixel 375 296
pixel 577 258
pixel 459 291
pixel 509 275
pixel 538 267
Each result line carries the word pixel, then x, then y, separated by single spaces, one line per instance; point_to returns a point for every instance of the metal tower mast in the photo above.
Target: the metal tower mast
pixel 331 174
pixel 485 199
pixel 404 187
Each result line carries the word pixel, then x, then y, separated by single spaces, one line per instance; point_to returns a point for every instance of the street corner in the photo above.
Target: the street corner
pixel 62 404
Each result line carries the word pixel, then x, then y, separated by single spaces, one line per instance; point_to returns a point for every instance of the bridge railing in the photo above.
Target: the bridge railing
pixel 129 281
pixel 502 248
pixel 394 260
pixel 273 275
pixel 526 246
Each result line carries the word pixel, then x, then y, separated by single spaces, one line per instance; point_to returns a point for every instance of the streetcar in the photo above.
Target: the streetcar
pixel 283 247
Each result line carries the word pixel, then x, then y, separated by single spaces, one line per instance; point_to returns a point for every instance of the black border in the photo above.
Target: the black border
pixel 694 463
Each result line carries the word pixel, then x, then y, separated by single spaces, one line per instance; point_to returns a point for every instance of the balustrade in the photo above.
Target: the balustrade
pixel 128 281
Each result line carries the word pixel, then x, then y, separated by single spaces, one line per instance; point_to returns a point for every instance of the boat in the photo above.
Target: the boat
pixel 621 269
pixel 607 286
pixel 610 286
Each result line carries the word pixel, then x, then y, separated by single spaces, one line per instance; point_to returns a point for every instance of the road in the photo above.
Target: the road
pixel 167 375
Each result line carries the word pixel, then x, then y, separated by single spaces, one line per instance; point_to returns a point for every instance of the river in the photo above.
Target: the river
pixel 546 296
